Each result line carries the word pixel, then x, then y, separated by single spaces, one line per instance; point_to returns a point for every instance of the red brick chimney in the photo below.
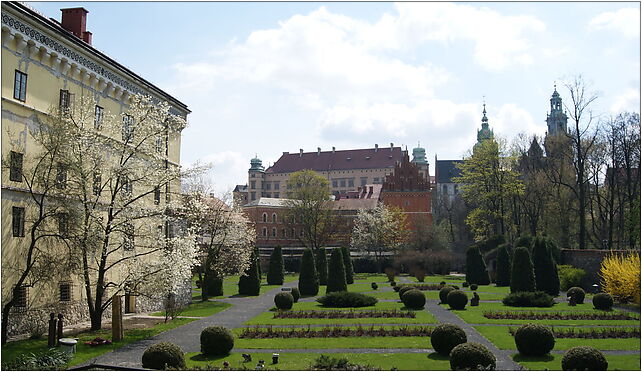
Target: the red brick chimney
pixel 74 20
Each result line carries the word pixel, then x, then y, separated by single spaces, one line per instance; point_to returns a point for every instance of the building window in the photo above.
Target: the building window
pixel 265 231
pixel 167 193
pixel 406 203
pixel 128 128
pixel 293 232
pixel 268 194
pixel 18 221
pixel 264 217
pixel 301 233
pixel 61 176
pixel 335 183
pixel 128 188
pixel 364 181
pixel 351 182
pixel 253 195
pixel 20 86
pixel 274 232
pixel 268 186
pixel 160 146
pixel 97 185
pixel 21 296
pixel 15 173
pixel 343 183
pixel 375 180
pixel 277 185
pixel 252 184
pixel 65 101
pixel 128 236
pixel 276 194
pixel 445 189
pixel 157 195
pixel 273 217
pixel 283 233
pixel 65 292
pixel 98 117
pixel 63 224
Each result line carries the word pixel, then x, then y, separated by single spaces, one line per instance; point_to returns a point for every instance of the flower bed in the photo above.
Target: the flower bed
pixel 541 315
pixel 424 287
pixel 324 332
pixel 319 314
pixel 598 333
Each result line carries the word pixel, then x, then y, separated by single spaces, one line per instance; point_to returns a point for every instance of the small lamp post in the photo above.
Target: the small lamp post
pixel 275 358
pixel 595 288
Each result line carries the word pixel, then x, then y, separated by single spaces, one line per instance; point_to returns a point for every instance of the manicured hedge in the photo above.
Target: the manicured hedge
pixel 346 299
pixel 308 278
pixel 276 272
pixel 522 276
pixel 336 273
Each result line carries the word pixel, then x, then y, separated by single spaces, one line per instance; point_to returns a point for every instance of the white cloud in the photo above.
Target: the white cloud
pixel 625 21
pixel 225 169
pixel 629 100
pixel 511 120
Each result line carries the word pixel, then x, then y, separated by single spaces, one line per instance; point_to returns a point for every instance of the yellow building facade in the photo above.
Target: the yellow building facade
pixel 48 64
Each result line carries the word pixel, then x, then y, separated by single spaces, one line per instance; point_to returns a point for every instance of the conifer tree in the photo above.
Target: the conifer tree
pixel 257 254
pixel 250 282
pixel 476 271
pixel 347 263
pixel 276 273
pixel 336 273
pixel 322 266
pixel 546 278
pixel 503 266
pixel 308 278
pixel 522 276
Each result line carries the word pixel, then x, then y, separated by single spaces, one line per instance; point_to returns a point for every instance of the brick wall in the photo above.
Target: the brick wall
pixel 590 260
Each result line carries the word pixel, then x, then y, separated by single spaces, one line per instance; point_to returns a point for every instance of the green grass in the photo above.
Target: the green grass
pixel 503 340
pixel 84 352
pixel 302 361
pixel 335 342
pixel 201 309
pixel 554 362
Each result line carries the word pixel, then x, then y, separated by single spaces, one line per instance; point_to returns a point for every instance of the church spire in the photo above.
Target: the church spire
pixel 484 133
pixel 557 119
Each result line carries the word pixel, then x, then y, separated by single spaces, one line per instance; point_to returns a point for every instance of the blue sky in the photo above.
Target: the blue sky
pixel 263 78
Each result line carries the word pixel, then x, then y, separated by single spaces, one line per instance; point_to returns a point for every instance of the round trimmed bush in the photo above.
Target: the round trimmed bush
pixel 443 294
pixel 396 288
pixel 374 286
pixel 414 299
pixel 404 289
pixel 454 286
pixel 473 287
pixel 457 299
pixel 445 337
pixel 216 340
pixel 163 355
pixel 296 294
pixel 584 358
pixel 577 293
pixel 534 340
pixel 392 284
pixel 464 284
pixel 471 356
pixel 603 301
pixel 284 301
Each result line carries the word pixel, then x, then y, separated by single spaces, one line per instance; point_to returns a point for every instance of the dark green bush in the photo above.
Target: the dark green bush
pixel 443 294
pixel 457 299
pixel 375 286
pixel 296 294
pixel 570 276
pixel 503 266
pixel 284 301
pixel 584 358
pixel 346 299
pixel 322 266
pixel 534 340
pixel 414 299
pixel 529 299
pixel 163 355
pixel 329 363
pixel 403 289
pixel 212 285
pixel 603 301
pixel 250 281
pixel 476 271
pixel 577 293
pixel 336 273
pixel 308 278
pixel 396 288
pixel 471 356
pixel 473 287
pixel 50 360
pixel 525 241
pixel 393 284
pixel 464 284
pixel 544 267
pixel 522 276
pixel 216 341
pixel 276 272
pixel 445 337
pixel 347 264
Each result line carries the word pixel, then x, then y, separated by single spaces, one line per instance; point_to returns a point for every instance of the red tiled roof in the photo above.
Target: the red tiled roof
pixel 382 157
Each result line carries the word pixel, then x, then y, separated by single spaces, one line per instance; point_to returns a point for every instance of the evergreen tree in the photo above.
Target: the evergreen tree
pixel 525 241
pixel 336 273
pixel 250 282
pixel 212 285
pixel 546 278
pixel 503 266
pixel 308 278
pixel 522 276
pixel 322 266
pixel 276 272
pixel 476 271
pixel 347 263
pixel 257 254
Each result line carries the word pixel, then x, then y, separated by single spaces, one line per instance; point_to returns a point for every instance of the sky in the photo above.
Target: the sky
pixel 265 78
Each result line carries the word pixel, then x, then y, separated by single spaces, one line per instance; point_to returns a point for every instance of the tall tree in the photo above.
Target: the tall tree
pixel 276 272
pixel 522 277
pixel 476 271
pixel 322 266
pixel 379 230
pixel 503 266
pixel 336 272
pixel 308 278
pixel 250 280
pixel 544 267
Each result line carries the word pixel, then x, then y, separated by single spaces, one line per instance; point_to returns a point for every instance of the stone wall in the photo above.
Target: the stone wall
pixel 590 260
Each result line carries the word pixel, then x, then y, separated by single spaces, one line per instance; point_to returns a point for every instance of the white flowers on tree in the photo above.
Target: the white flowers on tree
pixel 378 230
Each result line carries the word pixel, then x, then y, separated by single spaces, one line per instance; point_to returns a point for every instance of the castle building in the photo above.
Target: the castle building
pixel 45 64
pixel 556 119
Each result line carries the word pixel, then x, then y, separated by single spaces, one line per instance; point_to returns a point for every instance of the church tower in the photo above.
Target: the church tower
pixel 485 132
pixel 556 120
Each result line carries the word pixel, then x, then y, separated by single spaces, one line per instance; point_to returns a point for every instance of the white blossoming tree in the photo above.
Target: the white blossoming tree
pixel 378 230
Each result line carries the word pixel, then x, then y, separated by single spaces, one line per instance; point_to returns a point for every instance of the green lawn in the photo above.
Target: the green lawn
pixel 302 361
pixel 335 342
pixel 554 362
pixel 85 353
pixel 503 340
pixel 201 309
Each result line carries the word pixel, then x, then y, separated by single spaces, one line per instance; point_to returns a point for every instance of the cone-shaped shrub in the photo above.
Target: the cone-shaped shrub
pixel 347 264
pixel 308 278
pixel 257 254
pixel 522 277
pixel 525 241
pixel 336 273
pixel 546 278
pixel 250 282
pixel 476 271
pixel 503 266
pixel 276 273
pixel 322 266
pixel 212 285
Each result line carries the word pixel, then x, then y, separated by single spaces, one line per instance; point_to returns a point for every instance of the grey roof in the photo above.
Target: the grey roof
pixel 445 170
pixel 267 202
pixel 240 188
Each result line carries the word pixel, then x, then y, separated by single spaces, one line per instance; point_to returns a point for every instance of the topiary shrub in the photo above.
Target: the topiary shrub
pixel 404 289
pixel 584 358
pixel 577 294
pixel 347 264
pixel 570 276
pixel 163 355
pixel 296 294
pixel 445 337
pixel 393 284
pixel 375 286
pixel 457 299
pixel 473 287
pixel 545 269
pixel 603 301
pixel 284 301
pixel 396 288
pixel 336 273
pixel 525 241
pixel 414 299
pixel 522 276
pixel 443 294
pixel 502 278
pixel 534 340
pixel 390 273
pixel 216 340
pixel 464 284
pixel 476 271
pixel 276 272
pixel 346 299
pixel 212 285
pixel 442 283
pixel 471 356
pixel 529 299
pixel 308 278
pixel 322 266
pixel 250 281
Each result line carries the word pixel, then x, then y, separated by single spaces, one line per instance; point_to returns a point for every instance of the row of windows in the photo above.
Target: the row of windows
pixel 64 294
pixel 275 219
pixel 18 222
pixel 284 233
